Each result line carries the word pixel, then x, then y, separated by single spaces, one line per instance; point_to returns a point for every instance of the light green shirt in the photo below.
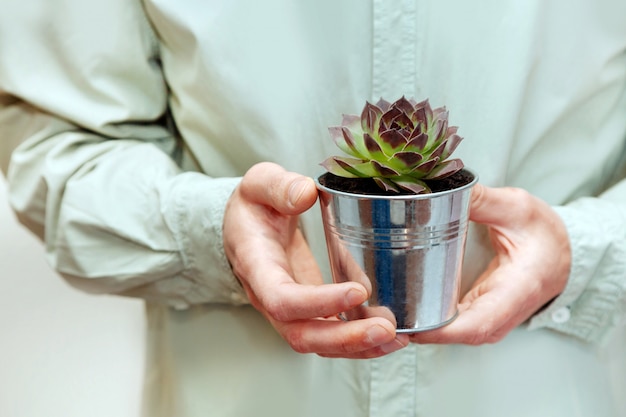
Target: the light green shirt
pixel 128 205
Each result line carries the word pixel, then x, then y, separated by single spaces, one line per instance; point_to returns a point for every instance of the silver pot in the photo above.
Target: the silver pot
pixel 407 249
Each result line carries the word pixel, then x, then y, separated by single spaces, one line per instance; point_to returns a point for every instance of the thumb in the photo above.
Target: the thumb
pixel 503 207
pixel 271 185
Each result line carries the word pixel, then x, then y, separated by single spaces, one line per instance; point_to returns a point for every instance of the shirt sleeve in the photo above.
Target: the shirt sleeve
pixel 93 168
pixel 594 300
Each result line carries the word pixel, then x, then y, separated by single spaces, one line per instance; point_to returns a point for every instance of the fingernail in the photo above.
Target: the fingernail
pixel 296 189
pixel 377 334
pixel 392 346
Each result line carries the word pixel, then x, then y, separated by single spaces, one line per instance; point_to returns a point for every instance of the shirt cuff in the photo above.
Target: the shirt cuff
pixel 196 216
pixel 592 301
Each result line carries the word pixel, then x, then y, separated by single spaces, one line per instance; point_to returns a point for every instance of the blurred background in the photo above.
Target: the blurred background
pixel 63 353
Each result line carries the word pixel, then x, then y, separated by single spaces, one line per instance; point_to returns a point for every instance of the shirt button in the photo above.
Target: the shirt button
pixel 179 305
pixel 561 315
pixel 237 298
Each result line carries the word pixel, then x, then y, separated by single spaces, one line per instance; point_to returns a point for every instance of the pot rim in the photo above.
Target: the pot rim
pixel 427 196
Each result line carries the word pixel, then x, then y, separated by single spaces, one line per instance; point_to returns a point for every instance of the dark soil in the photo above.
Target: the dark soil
pixel 369 187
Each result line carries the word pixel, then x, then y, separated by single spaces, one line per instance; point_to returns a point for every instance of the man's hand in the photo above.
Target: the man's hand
pixel 530 268
pixel 275 266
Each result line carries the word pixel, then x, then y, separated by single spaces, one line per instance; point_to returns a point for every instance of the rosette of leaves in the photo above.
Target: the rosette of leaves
pixel 399 145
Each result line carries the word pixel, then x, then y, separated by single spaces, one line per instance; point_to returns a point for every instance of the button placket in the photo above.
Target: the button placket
pixel 394 49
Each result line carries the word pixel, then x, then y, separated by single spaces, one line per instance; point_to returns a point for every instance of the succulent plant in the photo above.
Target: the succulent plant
pixel 399 145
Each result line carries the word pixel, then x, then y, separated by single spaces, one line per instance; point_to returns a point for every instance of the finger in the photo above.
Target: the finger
pixel 400 342
pixel 286 300
pixel 271 185
pixel 346 268
pixel 471 327
pixel 336 337
pixel 487 309
pixel 268 274
pixel 302 262
pixel 363 312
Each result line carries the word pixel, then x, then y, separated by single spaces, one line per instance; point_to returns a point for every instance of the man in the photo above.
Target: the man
pixel 164 151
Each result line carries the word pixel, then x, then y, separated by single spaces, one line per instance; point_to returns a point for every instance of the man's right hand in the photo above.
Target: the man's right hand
pixel 272 260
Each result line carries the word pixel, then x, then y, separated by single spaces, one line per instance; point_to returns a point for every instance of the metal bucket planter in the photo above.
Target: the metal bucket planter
pixel 410 247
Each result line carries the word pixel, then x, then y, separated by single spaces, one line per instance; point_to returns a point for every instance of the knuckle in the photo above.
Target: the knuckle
pixel 296 340
pixel 501 333
pixel 535 291
pixel 248 182
pixel 343 346
pixel 257 174
pixel 370 354
pixel 524 201
pixel 480 336
pixel 275 307
pixel 496 337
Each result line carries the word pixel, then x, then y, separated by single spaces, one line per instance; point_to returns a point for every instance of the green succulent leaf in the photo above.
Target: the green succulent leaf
pixel 356 138
pixel 390 115
pixel 437 129
pixel 438 151
pixel 391 141
pixel 384 170
pixel 331 165
pixel 445 169
pixel 440 113
pixel 401 121
pixel 417 143
pixel 344 140
pixel 407 160
pixel 374 149
pixel 383 104
pixel 386 184
pixel 404 105
pixel 412 185
pixel 451 144
pixel 357 167
pixel 352 122
pixel 370 117
pixel 423 113
pixel 424 168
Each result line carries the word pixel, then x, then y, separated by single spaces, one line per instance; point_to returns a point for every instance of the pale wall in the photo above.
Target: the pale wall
pixel 63 353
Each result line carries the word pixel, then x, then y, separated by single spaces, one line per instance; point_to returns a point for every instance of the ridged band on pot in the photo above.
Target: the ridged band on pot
pixel 408 249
